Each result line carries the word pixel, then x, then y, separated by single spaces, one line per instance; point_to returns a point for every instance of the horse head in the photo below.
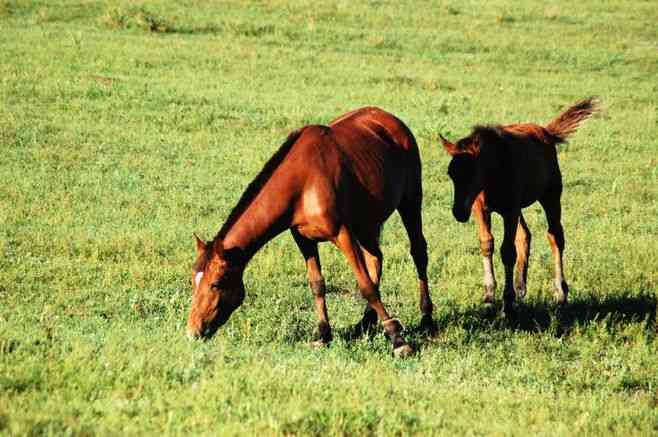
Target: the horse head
pixel 465 174
pixel 218 289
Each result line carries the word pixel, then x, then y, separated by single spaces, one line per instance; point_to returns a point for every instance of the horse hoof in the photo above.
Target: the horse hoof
pixel 319 344
pixel 560 299
pixel 403 351
pixel 561 292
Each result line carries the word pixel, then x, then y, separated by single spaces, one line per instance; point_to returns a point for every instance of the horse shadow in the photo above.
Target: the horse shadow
pixel 542 317
pixel 535 317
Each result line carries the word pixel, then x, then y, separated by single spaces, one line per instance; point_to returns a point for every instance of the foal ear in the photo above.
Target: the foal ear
pixel 486 136
pixel 449 147
pixel 200 245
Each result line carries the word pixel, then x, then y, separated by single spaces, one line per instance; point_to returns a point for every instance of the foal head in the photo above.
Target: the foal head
pixel 217 289
pixel 464 170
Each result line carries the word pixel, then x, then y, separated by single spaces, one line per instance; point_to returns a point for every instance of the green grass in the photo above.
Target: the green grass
pixel 126 126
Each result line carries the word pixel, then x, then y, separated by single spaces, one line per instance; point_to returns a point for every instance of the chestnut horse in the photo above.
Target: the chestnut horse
pixel 335 183
pixel 504 169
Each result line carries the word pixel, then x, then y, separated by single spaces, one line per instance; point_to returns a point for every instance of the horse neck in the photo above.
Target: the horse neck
pixel 269 214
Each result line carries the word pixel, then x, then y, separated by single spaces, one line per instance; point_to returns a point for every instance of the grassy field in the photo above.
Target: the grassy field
pixel 126 126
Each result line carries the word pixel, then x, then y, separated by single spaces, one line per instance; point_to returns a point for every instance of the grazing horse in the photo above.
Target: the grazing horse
pixel 504 169
pixel 335 183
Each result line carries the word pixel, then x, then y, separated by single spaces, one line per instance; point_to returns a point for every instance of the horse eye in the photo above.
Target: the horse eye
pixel 216 285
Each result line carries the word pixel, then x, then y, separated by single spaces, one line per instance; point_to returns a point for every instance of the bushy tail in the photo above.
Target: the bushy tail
pixel 568 122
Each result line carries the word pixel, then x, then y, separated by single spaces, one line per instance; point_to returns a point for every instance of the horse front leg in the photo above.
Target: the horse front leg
pixel 508 256
pixel 309 249
pixel 373 258
pixel 410 212
pixel 483 219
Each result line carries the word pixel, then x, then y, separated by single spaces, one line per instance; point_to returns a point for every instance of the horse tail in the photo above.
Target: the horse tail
pixel 566 124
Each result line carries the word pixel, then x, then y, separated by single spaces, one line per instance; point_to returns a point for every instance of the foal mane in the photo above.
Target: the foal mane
pixel 258 182
pixel 522 132
pixel 556 132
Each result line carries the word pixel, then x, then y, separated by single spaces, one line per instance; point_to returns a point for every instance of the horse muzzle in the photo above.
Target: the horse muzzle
pixel 203 333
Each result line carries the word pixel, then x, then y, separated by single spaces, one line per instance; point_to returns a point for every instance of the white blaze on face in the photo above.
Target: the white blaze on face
pixel 197 278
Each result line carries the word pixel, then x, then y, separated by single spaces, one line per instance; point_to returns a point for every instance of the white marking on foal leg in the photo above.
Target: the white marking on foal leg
pixel 489 279
pixel 561 287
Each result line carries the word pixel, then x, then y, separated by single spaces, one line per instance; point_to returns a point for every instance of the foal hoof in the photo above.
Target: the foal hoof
pixel 403 351
pixel 488 296
pixel 319 344
pixel 561 293
pixel 560 298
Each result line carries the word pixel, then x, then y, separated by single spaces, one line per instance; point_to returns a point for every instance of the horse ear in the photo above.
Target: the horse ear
pixel 485 136
pixel 218 247
pixel 449 147
pixel 200 245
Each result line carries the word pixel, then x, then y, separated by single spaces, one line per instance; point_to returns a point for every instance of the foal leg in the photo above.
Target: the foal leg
pixel 555 236
pixel 508 256
pixel 350 248
pixel 522 243
pixel 410 212
pixel 483 219
pixel 309 249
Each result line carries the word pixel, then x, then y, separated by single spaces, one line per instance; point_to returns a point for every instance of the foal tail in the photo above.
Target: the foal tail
pixel 566 124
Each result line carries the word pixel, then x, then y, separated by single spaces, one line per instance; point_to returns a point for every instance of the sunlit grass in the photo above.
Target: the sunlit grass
pixel 126 126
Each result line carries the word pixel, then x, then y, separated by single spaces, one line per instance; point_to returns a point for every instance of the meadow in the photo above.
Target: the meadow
pixel 127 126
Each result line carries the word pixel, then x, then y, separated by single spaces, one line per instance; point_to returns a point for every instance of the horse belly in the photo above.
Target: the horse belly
pixel 537 179
pixel 372 204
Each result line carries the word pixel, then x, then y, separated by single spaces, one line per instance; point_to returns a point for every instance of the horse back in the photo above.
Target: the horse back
pixel 522 168
pixel 356 170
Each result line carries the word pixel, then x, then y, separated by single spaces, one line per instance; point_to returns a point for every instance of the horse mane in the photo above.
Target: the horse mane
pixel 521 132
pixel 258 182
pixel 554 133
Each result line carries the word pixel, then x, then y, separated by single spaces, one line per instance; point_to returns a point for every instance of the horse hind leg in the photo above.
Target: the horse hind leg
pixel 508 256
pixel 555 236
pixel 373 258
pixel 309 249
pixel 522 243
pixel 410 213
pixel 348 244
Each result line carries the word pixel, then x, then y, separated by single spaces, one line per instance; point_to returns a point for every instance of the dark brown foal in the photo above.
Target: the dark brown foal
pixel 504 169
pixel 335 183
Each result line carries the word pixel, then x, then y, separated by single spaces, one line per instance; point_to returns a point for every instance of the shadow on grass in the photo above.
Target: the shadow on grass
pixel 542 317
pixel 539 317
